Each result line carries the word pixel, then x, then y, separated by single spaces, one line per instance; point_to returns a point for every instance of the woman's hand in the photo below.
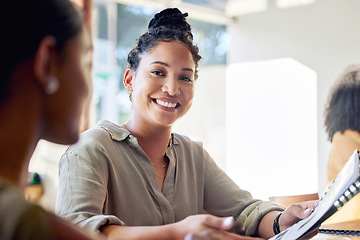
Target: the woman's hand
pixel 296 212
pixel 200 227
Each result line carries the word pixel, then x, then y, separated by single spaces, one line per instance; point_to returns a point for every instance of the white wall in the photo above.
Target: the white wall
pixel 324 36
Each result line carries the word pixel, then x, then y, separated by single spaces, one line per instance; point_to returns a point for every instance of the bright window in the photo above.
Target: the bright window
pixel 272 127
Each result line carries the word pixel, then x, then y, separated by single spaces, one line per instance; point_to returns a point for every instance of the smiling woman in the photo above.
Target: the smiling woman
pixel 141 180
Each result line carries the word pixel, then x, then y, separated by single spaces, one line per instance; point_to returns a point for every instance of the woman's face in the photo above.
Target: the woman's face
pixel 74 73
pixel 163 84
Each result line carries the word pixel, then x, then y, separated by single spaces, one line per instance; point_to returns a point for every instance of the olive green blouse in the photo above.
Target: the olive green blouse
pixel 106 178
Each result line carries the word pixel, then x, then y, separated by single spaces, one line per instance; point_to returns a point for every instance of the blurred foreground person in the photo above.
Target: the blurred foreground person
pixel 45 70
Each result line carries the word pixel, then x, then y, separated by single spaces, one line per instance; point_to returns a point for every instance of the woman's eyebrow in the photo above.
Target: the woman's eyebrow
pixel 188 69
pixel 161 63
pixel 167 65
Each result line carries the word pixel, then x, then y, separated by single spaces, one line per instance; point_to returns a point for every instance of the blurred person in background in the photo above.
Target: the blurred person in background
pixel 342 123
pixel 45 66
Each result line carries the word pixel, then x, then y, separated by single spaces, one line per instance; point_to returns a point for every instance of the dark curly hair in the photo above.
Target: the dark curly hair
pixel 166 26
pixel 23 25
pixel 342 111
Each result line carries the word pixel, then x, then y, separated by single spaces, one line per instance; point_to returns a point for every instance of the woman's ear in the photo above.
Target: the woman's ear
pixel 128 80
pixel 44 57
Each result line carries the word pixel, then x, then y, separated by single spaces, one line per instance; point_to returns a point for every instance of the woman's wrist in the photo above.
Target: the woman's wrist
pixel 172 231
pixel 265 227
pixel 276 226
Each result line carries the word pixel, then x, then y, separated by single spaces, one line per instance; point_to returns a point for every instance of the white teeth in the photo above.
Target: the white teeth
pixel 166 104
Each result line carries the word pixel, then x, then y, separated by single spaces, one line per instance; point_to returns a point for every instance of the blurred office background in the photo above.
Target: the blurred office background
pixel 263 82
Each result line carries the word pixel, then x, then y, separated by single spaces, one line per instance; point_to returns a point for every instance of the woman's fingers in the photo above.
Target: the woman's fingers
pixel 224 223
pixel 297 211
pixel 308 204
pixel 215 228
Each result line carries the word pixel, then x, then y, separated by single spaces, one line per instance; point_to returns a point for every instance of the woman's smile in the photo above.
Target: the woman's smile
pixel 167 103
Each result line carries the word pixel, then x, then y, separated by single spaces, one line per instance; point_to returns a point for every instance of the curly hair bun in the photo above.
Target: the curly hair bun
pixel 170 18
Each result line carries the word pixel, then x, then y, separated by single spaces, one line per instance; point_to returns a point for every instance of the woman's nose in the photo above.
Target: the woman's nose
pixel 171 86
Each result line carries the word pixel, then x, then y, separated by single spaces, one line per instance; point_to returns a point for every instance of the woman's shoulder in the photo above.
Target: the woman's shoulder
pixel 99 138
pixel 104 131
pixel 96 146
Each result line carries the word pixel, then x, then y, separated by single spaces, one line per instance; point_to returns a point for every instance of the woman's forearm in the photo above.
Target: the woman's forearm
pixel 114 232
pixel 198 225
pixel 265 228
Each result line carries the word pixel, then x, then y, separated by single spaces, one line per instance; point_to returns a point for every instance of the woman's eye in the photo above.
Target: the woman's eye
pixel 187 79
pixel 159 73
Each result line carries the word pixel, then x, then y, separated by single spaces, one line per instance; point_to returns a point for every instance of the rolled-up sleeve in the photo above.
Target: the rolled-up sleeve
pixel 248 220
pixel 82 189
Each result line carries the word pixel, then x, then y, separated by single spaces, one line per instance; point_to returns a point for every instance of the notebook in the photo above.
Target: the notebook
pixel 345 186
pixel 349 228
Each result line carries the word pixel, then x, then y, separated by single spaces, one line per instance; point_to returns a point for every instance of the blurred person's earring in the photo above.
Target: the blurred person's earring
pixel 130 93
pixel 52 85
